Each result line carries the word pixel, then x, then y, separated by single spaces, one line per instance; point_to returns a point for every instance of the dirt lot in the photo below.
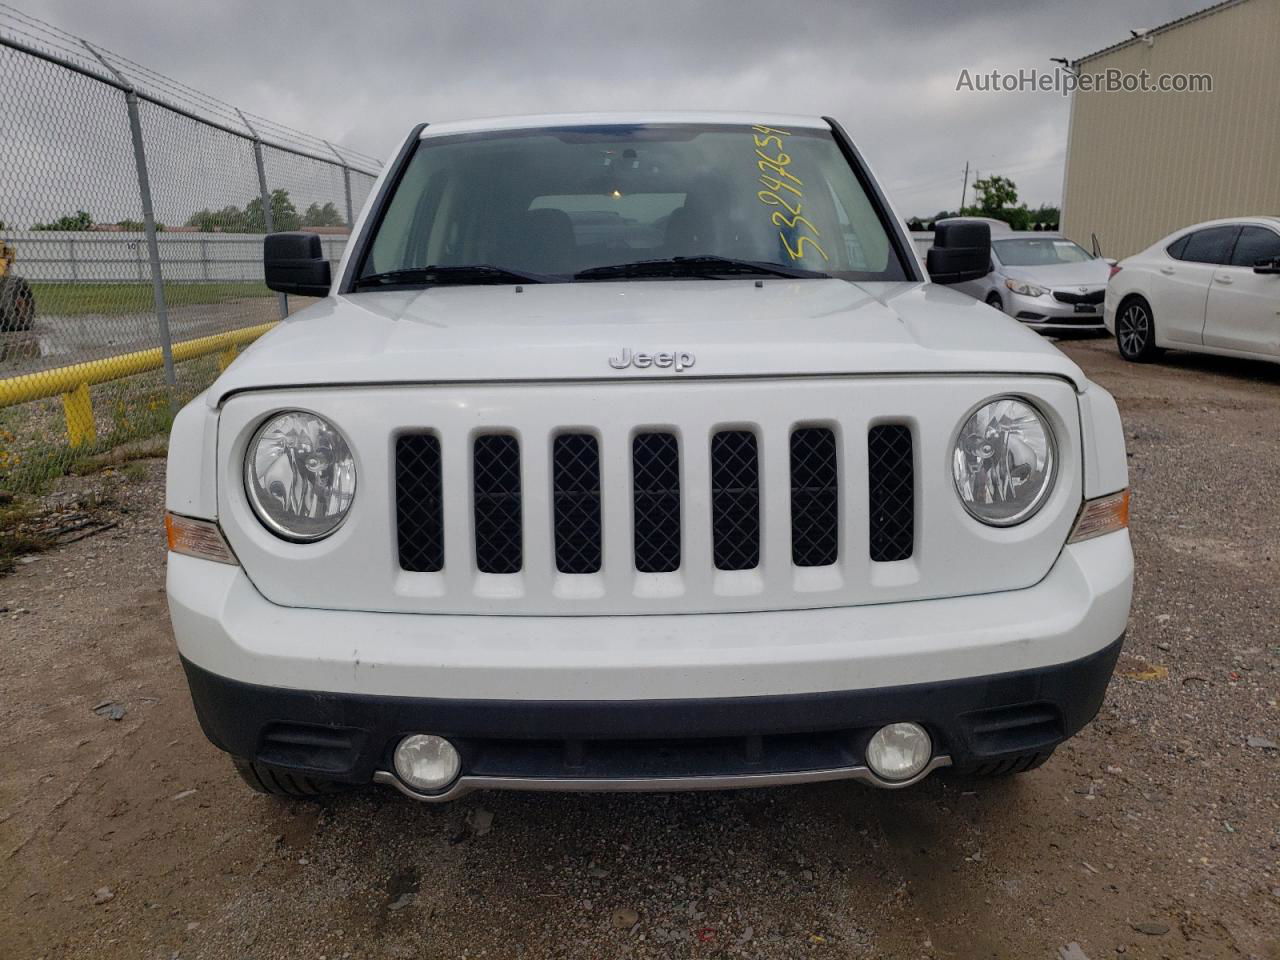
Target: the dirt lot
pixel 1156 833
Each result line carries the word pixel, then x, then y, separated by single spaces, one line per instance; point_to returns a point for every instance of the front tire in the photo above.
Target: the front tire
pixel 281 783
pixel 993 300
pixel 1136 331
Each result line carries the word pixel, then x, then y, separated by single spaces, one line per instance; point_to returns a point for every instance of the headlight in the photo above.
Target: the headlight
pixel 300 476
pixel 1003 462
pixel 1026 289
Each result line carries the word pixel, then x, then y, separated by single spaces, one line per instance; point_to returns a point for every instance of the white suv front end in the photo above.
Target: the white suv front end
pixel 680 526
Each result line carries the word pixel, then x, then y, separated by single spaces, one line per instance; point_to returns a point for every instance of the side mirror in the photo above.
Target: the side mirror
pixel 960 252
pixel 1267 266
pixel 295 263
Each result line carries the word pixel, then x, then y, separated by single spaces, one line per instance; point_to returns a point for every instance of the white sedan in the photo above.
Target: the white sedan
pixel 1210 288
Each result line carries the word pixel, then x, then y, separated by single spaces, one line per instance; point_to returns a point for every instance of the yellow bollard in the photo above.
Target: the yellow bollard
pixel 228 355
pixel 78 407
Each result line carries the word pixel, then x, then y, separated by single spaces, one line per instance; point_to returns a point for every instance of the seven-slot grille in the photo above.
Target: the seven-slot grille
pixel 657 500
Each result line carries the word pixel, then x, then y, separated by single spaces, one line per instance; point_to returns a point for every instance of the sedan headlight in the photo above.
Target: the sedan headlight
pixel 1026 289
pixel 1003 462
pixel 300 476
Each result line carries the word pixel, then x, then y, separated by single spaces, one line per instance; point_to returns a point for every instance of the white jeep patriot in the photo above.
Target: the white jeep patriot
pixel 640 452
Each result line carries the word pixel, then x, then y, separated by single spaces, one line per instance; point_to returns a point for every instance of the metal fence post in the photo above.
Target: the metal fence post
pixel 153 245
pixel 268 217
pixel 346 183
pixel 148 224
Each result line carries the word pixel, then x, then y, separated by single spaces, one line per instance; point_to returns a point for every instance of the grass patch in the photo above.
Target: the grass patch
pixel 113 299
pixel 15 541
pixel 42 463
pixel 132 415
pixel 125 456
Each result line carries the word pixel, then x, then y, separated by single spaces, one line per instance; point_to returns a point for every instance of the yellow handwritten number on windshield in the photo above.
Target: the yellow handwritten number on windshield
pixel 775 176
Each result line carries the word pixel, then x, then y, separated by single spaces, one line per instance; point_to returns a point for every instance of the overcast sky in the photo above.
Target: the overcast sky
pixel 362 74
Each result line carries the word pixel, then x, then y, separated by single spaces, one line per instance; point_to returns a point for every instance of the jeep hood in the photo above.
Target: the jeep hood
pixel 569 331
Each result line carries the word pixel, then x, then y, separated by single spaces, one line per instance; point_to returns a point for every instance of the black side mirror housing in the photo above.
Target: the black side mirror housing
pixel 960 252
pixel 294 263
pixel 1267 266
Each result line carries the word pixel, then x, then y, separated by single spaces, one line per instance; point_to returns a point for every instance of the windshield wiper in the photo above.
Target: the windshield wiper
pixel 473 273
pixel 705 265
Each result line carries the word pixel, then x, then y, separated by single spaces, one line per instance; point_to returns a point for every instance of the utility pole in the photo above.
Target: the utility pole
pixel 964 189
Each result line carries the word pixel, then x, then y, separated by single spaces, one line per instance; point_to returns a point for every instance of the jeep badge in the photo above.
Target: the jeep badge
pixel 679 359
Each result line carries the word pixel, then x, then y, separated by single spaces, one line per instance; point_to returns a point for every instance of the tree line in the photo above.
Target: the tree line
pixel 996 197
pixel 230 219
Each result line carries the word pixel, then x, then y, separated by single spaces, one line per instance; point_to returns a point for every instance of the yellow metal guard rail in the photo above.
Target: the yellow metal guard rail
pixel 73 381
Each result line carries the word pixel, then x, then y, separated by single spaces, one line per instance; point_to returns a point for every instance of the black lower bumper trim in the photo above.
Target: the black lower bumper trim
pixel 349 736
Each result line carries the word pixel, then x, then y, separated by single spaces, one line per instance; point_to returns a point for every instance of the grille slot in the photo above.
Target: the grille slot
pixel 496 470
pixel 419 504
pixel 576 493
pixel 815 497
pixel 735 500
pixel 891 478
pixel 1090 296
pixel 655 470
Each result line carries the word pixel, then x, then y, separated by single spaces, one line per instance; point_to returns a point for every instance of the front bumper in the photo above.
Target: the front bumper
pixel 652 702
pixel 1047 313
pixel 978 723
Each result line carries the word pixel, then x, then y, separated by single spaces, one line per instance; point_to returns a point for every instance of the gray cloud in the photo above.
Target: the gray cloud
pixel 362 74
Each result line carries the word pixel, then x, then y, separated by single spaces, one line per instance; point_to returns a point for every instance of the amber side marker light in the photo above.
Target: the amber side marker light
pixel 197 538
pixel 1101 515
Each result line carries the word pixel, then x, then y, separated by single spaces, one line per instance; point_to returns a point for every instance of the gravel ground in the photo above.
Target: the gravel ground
pixel 1153 834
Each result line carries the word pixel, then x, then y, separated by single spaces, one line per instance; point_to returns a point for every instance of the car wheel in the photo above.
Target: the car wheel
pixel 1136 331
pixel 282 783
pixel 993 300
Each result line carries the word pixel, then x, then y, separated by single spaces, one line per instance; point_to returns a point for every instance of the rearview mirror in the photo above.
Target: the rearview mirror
pixel 960 252
pixel 295 263
pixel 1267 266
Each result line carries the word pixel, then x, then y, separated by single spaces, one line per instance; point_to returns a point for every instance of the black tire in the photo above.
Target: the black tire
pixel 1136 331
pixel 17 306
pixel 282 783
pixel 1005 766
pixel 993 300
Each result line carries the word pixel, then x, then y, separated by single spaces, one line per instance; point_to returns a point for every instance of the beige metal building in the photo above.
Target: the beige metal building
pixel 1142 164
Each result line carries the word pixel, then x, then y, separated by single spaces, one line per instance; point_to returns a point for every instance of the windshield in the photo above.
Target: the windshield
pixel 555 204
pixel 1039 252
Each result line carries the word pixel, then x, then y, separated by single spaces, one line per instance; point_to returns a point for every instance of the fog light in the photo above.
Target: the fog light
pixel 899 751
pixel 427 763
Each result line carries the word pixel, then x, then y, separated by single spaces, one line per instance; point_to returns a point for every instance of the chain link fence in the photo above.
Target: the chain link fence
pixel 132 210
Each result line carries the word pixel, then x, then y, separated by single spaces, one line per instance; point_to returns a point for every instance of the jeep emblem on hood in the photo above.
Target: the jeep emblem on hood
pixel 679 359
